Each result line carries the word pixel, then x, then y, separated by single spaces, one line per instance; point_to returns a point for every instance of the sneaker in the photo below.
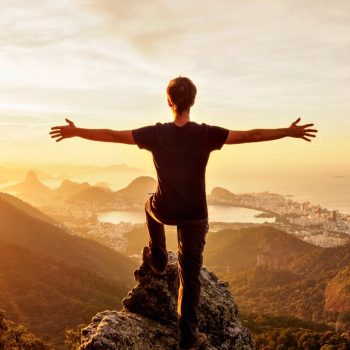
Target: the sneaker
pixel 199 342
pixel 147 259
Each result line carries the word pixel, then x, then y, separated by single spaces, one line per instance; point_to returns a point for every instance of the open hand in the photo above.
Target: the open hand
pixel 64 131
pixel 301 131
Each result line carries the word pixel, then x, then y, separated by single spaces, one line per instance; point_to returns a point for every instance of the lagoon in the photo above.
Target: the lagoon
pixel 217 213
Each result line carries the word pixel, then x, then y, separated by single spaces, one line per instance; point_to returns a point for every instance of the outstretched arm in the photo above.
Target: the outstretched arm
pixel 105 135
pixel 256 135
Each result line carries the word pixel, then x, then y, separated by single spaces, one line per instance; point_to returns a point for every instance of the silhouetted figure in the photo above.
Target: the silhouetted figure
pixel 181 150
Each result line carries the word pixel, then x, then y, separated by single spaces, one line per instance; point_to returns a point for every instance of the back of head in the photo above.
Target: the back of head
pixel 181 92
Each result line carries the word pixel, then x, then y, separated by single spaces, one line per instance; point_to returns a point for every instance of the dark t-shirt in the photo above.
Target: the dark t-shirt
pixel 180 155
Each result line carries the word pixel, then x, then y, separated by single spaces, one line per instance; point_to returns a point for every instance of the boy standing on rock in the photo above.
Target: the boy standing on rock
pixel 181 150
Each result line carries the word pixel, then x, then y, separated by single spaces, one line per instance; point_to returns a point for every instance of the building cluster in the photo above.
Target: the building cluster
pixel 83 211
pixel 111 235
pixel 309 222
pixel 88 210
pixel 82 220
pixel 300 214
pixel 323 239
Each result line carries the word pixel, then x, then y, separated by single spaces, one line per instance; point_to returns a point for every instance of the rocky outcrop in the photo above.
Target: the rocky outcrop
pixel 148 319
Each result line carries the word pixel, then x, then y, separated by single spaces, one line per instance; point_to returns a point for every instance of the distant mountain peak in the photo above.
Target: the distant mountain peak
pixel 32 177
pixel 66 182
pixel 30 186
pixel 138 189
pixel 142 180
pixel 221 191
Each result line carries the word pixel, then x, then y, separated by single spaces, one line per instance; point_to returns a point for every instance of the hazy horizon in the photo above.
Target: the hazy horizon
pixel 329 189
pixel 106 65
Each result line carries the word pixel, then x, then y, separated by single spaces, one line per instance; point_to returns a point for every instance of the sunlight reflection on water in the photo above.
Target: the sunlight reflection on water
pixel 217 213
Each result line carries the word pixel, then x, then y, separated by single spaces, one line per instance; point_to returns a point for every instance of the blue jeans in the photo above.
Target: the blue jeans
pixel 191 240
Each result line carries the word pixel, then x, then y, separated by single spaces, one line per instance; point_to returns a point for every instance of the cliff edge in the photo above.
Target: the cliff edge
pixel 148 318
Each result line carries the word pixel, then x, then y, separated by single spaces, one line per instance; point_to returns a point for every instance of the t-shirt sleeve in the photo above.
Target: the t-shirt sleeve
pixel 216 137
pixel 144 137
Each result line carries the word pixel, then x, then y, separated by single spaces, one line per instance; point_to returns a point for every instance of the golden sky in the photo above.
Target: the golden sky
pixel 106 64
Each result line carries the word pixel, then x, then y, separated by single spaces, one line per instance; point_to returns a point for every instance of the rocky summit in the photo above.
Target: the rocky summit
pixel 148 319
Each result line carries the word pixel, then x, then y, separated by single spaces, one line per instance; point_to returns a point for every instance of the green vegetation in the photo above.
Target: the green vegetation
pixel 301 339
pixel 50 280
pixel 273 332
pixel 236 251
pixel 41 237
pixel 14 336
pixel 138 237
pixel 48 296
pixel 290 294
pixel 72 337
pixel 26 208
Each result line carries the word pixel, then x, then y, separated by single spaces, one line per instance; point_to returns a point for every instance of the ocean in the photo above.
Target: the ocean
pixel 216 213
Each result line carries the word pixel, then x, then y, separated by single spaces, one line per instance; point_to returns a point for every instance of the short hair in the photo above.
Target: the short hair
pixel 182 92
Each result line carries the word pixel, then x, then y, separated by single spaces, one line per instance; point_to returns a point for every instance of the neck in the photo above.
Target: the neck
pixel 181 119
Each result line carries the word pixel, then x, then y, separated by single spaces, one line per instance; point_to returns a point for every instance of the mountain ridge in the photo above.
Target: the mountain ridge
pixel 43 237
pixel 47 274
pixel 40 292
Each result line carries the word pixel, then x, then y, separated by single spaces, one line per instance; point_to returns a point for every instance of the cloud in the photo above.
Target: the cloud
pixel 261 53
pixel 19 127
pixel 106 62
pixel 149 26
pixel 42 24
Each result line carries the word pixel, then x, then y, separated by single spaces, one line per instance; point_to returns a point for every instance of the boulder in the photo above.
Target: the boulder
pixel 148 319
